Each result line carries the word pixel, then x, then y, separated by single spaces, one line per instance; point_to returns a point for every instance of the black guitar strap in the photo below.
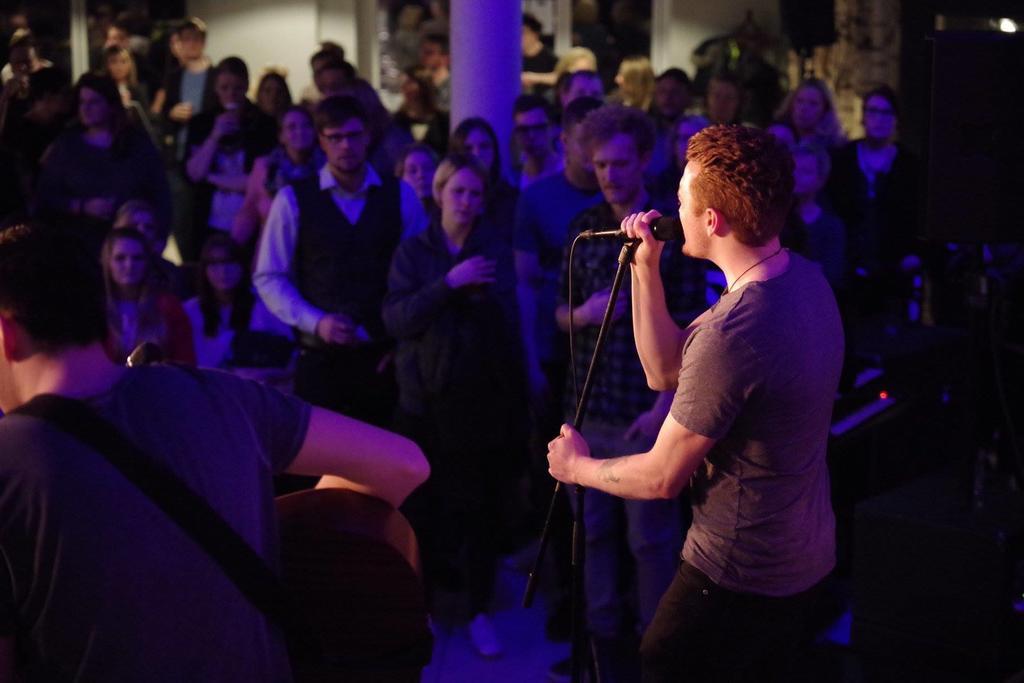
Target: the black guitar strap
pixel 191 512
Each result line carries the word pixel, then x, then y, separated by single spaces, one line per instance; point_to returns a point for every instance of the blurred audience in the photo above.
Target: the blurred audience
pixel 810 110
pixel 416 167
pixel 138 214
pixel 532 134
pixel 223 144
pixel 99 163
pixel 477 138
pixel 138 309
pixel 874 189
pixel 273 97
pixel 436 61
pixel 824 237
pixel 537 57
pixel 635 81
pixel 724 100
pixel 226 312
pixel 419 114
pixel 665 186
pixel 297 156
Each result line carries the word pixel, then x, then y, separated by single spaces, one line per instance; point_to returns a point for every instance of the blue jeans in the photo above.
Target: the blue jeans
pixel 653 533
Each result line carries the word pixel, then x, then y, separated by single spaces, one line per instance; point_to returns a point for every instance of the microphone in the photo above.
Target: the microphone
pixel 145 353
pixel 664 229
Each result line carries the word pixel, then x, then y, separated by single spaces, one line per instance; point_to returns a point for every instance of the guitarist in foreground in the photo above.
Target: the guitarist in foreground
pixel 96 582
pixel 754 378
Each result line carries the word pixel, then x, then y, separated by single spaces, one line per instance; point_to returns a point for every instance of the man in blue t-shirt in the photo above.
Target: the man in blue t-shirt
pixel 543 214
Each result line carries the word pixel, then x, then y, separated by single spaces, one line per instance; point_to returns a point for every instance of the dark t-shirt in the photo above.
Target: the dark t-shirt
pixel 760 375
pixel 826 245
pixel 97 584
pixel 543 214
pixel 542 62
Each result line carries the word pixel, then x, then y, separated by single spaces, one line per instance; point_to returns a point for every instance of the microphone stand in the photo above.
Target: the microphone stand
pixel 578 630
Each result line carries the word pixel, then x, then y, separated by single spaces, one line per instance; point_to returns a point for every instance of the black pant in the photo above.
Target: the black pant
pixel 349 380
pixel 458 525
pixel 703 632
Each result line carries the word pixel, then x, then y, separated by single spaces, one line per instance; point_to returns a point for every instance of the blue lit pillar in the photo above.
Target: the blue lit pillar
pixel 486 52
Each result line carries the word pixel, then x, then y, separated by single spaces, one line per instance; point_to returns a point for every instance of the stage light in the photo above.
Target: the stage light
pixel 883 395
pixel 1007 25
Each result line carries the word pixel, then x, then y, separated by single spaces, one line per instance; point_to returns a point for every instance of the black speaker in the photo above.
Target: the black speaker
pixel 808 23
pixel 935 579
pixel 975 177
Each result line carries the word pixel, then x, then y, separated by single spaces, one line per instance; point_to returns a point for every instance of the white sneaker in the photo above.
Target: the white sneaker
pixel 484 637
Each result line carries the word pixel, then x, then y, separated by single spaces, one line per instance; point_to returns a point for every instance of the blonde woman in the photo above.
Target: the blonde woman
pixel 575 59
pixel 119 64
pixel 810 110
pixel 451 305
pixel 635 80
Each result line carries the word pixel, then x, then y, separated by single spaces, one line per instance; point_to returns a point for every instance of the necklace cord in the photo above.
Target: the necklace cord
pixel 773 254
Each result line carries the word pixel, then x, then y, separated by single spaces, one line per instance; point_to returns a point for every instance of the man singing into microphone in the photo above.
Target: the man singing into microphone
pixel 754 379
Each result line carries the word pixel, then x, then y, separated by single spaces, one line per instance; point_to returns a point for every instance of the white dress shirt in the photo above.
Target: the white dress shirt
pixel 275 276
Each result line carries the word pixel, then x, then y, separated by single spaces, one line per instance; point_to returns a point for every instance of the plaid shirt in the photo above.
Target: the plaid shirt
pixel 620 392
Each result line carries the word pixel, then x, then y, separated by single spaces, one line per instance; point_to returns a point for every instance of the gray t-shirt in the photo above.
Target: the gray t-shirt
pixel 96 583
pixel 760 375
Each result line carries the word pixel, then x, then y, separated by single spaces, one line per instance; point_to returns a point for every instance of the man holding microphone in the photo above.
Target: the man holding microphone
pixel 754 379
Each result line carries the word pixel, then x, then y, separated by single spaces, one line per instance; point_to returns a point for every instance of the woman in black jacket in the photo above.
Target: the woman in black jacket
pixel 451 304
pixel 874 190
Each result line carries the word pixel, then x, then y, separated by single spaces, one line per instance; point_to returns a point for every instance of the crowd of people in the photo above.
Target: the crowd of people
pixel 379 266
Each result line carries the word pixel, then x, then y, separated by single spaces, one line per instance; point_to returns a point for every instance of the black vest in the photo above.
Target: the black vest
pixel 341 267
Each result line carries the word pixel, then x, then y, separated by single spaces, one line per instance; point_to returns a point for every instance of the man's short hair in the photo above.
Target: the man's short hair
pixel 51 285
pixel 529 102
pixel 578 110
pixel 531 22
pixel 439 39
pixel 887 94
pixel 191 24
pixel 818 152
pixel 331 61
pixel 335 111
pixel 747 175
pixel 234 66
pixel 602 124
pixel 675 74
pixel 327 49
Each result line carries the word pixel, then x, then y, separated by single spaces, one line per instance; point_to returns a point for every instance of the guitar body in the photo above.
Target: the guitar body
pixel 351 564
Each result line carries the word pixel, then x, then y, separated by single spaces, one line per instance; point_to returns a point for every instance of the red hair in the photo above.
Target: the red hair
pixel 747 175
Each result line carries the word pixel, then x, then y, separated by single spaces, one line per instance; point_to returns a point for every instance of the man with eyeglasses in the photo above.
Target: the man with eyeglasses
pixel 533 137
pixel 322 266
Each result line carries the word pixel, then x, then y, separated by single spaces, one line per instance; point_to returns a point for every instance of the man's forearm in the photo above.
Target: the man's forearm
pixel 360 457
pixel 628 476
pixel 658 339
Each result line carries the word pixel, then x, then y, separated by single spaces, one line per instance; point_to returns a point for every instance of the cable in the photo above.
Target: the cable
pixel 572 327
